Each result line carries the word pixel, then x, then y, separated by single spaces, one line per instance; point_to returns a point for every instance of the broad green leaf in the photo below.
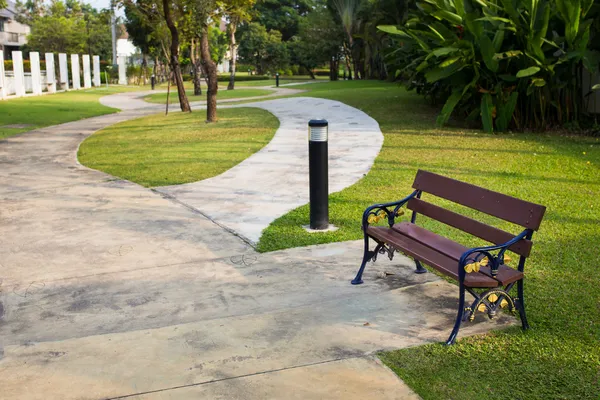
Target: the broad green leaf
pixel 596 87
pixel 539 28
pixel 487 108
pixel 538 82
pixel 570 12
pixel 499 38
pixel 438 73
pixel 442 51
pixel 422 66
pixel 506 111
pixel 486 47
pixel 393 30
pixel 449 107
pixel 449 61
pixel 508 54
pixel 527 72
pixel 495 19
pixel 448 16
pixel 511 9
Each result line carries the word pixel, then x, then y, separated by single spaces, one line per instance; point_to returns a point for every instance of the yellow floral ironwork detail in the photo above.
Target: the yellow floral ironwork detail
pixel 399 212
pixel 493 298
pixel 374 218
pixel 503 303
pixel 482 308
pixel 507 259
pixel 475 266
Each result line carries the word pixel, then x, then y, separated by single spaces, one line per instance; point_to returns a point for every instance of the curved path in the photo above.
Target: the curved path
pixel 273 181
pixel 135 100
pixel 108 290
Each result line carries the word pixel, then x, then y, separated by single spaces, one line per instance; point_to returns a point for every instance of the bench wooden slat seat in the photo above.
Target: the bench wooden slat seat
pixel 429 256
pixel 481 271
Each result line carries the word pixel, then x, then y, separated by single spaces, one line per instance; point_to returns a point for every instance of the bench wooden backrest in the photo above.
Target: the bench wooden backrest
pixel 520 212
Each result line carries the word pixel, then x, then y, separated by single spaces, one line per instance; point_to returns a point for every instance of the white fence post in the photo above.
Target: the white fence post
pixel 87 74
pixel 64 71
pixel 75 71
pixel 50 73
pixel 122 70
pixel 17 57
pixel 96 62
pixel 36 73
pixel 2 79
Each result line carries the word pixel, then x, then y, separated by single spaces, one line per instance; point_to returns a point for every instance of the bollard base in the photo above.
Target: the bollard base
pixel 330 228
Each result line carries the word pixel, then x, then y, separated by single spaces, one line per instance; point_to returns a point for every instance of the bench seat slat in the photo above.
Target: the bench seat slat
pixel 508 208
pixel 469 225
pixel 439 243
pixel 429 256
pixel 453 250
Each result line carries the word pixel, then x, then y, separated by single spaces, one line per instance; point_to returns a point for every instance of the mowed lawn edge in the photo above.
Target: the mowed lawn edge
pixel 180 148
pixel 161 98
pixel 559 358
pixel 53 109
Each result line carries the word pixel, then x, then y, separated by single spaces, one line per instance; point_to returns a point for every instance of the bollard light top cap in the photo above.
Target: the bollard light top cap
pixel 318 123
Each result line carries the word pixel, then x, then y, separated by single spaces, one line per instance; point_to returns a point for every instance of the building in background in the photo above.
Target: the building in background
pixel 13 35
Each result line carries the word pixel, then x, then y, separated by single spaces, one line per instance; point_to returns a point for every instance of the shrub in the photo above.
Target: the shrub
pixel 513 63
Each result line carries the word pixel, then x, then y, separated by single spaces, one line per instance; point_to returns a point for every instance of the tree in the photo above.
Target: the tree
pixel 347 11
pixel 70 27
pixel 205 13
pixel 282 15
pixel 318 42
pixel 169 8
pixel 145 30
pixel 237 11
pixel 263 49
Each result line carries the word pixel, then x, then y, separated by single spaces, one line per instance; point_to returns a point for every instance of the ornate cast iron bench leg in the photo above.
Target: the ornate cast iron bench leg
pixel 368 255
pixel 459 317
pixel 521 305
pixel 420 269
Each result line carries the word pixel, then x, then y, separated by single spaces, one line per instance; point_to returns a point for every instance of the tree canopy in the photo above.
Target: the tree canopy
pixel 67 27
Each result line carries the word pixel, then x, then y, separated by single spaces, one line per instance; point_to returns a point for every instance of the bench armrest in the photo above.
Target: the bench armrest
pixel 382 210
pixel 472 257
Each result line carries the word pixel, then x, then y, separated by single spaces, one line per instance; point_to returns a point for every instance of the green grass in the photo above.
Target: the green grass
pixel 180 148
pixel 559 358
pixel 161 98
pixel 41 111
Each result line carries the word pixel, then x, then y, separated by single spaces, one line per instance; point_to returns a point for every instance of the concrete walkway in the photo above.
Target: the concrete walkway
pixel 109 291
pixel 274 181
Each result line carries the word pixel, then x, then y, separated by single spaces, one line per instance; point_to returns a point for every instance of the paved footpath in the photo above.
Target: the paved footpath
pixel 109 290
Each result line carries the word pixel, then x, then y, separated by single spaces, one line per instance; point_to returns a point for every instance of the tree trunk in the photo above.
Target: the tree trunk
pixel 232 50
pixel 196 67
pixel 175 67
pixel 210 71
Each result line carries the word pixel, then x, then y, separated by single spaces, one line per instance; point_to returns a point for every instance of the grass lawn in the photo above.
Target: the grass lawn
pixel 559 358
pixel 161 98
pixel 41 111
pixel 180 148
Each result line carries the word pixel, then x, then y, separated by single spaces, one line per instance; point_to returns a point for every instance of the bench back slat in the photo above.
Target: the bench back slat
pixel 469 225
pixel 520 212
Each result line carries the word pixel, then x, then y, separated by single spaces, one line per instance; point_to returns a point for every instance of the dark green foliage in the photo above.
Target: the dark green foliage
pixel 517 61
pixel 263 49
pixel 282 15
pixel 66 27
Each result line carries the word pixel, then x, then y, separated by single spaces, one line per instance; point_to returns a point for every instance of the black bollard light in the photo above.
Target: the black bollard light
pixel 153 81
pixel 318 174
pixel 277 79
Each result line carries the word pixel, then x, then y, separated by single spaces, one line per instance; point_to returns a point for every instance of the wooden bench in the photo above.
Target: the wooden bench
pixel 480 271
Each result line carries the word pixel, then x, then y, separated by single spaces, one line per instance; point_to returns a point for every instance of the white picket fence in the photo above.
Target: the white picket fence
pixel 18 83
